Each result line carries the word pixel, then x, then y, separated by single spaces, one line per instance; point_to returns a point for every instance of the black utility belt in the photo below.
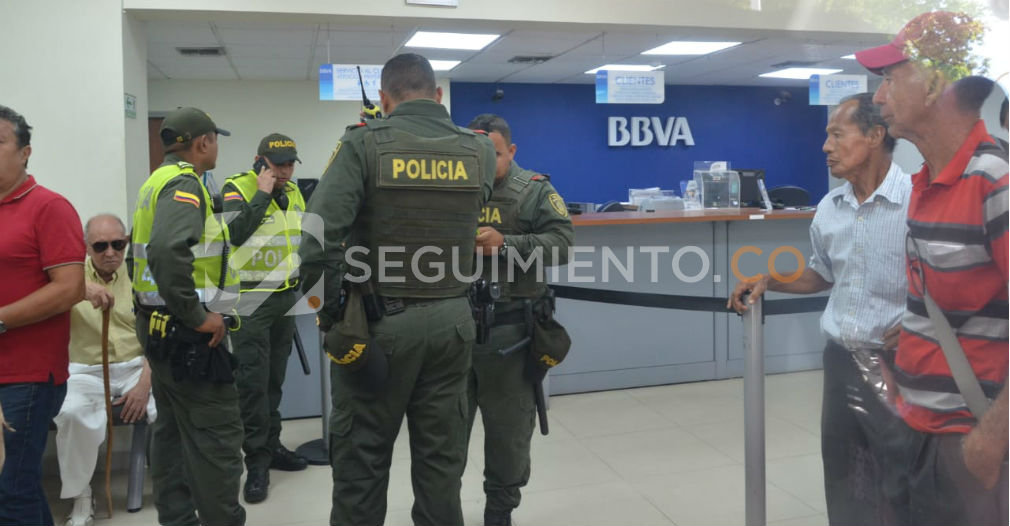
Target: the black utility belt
pixel 394 306
pixel 512 317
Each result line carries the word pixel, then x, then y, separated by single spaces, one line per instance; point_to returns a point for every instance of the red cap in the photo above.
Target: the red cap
pixel 877 58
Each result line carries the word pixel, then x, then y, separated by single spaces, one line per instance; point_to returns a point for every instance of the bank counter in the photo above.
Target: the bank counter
pixel 680 263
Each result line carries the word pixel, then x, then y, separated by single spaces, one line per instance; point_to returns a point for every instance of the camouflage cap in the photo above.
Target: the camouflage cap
pixel 184 124
pixel 280 149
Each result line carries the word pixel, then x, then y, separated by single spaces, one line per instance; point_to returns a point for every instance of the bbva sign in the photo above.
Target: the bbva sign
pixel 643 131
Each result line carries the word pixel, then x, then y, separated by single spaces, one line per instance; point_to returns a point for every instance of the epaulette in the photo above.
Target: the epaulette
pixel 355 126
pixel 184 165
pixel 482 132
pixel 541 177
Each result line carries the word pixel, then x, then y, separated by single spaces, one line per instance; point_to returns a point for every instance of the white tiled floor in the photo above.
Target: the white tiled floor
pixel 656 455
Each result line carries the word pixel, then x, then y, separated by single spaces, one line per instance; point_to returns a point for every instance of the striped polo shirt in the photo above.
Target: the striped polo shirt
pixel 957 245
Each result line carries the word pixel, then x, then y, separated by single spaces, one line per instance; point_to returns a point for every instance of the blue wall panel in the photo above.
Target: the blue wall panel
pixel 560 130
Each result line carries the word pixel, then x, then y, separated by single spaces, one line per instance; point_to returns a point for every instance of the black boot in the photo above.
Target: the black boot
pixel 286 460
pixel 256 484
pixel 497 518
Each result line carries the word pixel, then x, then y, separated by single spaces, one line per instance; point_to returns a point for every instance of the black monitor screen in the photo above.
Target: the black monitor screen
pixel 750 194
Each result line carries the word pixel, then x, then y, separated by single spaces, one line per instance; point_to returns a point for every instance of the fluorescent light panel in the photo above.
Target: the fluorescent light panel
pixel 684 47
pixel 798 73
pixel 468 41
pixel 624 67
pixel 850 57
pixel 443 65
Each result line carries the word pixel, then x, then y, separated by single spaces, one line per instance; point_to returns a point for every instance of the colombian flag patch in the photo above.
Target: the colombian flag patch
pixel 186 197
pixel 232 196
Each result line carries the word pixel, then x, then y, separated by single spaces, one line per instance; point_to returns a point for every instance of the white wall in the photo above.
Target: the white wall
pixel 65 75
pixel 990 112
pixel 252 109
pixel 137 163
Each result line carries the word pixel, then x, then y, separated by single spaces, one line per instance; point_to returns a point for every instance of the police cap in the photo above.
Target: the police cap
pixel 184 124
pixel 280 149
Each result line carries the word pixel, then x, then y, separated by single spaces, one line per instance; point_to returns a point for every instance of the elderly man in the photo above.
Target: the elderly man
pixel 857 238
pixel 81 422
pixel 42 256
pixel 956 259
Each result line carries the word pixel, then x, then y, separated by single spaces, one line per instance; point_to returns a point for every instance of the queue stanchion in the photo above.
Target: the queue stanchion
pixel 754 415
pixel 317 452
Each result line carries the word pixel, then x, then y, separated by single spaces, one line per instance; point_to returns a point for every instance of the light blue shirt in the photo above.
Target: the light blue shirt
pixel 860 249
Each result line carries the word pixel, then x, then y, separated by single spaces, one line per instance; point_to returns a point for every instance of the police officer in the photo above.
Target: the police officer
pixel 401 190
pixel 525 215
pixel 181 282
pixel 266 229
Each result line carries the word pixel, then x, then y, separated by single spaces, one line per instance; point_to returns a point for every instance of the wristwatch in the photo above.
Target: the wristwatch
pixel 3 327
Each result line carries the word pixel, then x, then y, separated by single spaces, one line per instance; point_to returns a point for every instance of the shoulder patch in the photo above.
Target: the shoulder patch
pixel 232 196
pixel 333 156
pixel 558 204
pixel 186 197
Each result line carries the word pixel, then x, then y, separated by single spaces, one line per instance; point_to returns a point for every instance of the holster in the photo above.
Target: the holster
pixel 187 351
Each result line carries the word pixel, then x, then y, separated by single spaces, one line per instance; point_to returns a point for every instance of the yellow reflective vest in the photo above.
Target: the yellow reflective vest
pixel 268 260
pixel 209 255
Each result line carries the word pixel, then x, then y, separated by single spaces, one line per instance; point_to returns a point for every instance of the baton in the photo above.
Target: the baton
pixel 301 353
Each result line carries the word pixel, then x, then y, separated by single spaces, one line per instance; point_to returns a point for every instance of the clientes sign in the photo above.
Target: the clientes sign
pixel 630 87
pixel 828 90
pixel 643 131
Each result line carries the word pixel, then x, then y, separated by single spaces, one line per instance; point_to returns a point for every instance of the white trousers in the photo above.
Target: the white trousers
pixel 80 426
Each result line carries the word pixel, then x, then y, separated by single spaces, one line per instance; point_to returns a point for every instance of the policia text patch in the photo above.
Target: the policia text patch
pixel 420 171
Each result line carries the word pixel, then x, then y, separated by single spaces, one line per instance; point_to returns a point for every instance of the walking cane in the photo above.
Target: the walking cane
pixel 109 432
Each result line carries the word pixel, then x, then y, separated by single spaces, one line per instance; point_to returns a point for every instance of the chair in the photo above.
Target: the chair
pixel 789 196
pixel 611 206
pixel 138 459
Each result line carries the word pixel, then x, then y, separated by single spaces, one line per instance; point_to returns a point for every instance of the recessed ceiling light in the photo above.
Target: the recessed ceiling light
pixel 624 67
pixel 798 73
pixel 683 47
pixel 468 41
pixel 850 57
pixel 443 65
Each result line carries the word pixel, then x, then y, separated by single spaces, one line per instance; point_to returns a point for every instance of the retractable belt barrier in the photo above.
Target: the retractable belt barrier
pixel 753 379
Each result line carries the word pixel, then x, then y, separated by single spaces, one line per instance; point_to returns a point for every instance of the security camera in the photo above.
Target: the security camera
pixel 499 94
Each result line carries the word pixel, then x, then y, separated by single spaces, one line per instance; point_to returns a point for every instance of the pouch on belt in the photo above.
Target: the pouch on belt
pixel 352 348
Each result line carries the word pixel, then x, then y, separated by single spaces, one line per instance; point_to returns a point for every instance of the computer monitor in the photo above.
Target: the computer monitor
pixel 750 194
pixel 307 186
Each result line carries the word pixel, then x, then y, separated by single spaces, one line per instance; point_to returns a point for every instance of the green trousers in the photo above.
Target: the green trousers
pixel 428 348
pixel 508 411
pixel 196 462
pixel 262 346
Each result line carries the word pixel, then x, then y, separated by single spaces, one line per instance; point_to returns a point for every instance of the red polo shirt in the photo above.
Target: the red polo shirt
pixel 39 230
pixel 958 223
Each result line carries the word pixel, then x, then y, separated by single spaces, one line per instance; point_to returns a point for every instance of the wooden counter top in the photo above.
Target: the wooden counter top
pixel 686 216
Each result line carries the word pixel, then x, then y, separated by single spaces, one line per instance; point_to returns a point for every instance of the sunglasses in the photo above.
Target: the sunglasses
pixel 117 245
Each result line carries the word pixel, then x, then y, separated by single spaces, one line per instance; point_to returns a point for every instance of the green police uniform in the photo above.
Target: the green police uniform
pixel 266 236
pixel 176 257
pixel 531 215
pixel 409 181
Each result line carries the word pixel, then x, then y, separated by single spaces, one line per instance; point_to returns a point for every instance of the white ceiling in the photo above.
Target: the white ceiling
pixel 287 50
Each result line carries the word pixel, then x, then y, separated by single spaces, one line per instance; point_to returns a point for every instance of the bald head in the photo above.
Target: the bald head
pixel 105 235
